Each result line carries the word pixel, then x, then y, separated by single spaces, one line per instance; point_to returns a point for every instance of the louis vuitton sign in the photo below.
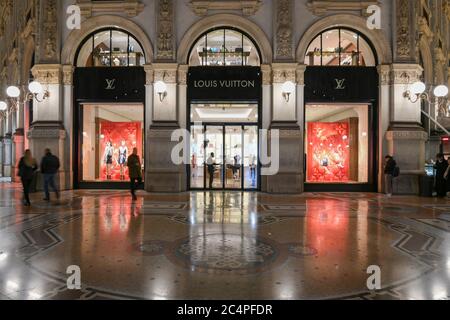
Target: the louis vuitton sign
pixel 110 84
pixel 224 83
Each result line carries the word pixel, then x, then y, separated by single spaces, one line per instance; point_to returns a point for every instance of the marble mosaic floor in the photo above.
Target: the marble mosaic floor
pixel 223 245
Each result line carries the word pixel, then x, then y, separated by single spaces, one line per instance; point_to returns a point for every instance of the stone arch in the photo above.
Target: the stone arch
pixel 91 25
pixel 376 37
pixel 225 20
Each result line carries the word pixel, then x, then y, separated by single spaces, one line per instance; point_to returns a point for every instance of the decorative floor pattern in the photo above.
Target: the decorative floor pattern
pixel 223 245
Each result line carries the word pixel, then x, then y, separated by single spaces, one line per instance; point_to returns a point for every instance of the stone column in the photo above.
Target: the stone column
pixel 267 98
pixel 67 116
pixel 383 120
pixel 162 174
pixel 7 160
pixel 406 137
pixel 17 152
pixel 289 178
pixel 48 127
pixel 1 157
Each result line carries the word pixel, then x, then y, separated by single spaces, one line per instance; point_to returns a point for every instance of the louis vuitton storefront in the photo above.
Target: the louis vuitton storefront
pixel 109 112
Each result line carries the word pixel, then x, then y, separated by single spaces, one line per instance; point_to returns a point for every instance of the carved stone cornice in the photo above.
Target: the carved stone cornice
pixel 149 74
pixel 266 70
pixel 405 73
pixel 384 72
pixel 284 33
pixel 301 74
pixel 166 39
pixel 167 72
pixel 182 74
pixel 47 73
pixel 130 7
pixel 248 7
pixel 320 8
pixel 67 71
pixel 282 72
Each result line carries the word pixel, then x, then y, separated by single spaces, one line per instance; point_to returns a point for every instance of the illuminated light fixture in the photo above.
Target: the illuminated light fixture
pixel 287 89
pixel 441 91
pixel 13 92
pixel 3 106
pixel 37 90
pixel 161 90
pixel 418 92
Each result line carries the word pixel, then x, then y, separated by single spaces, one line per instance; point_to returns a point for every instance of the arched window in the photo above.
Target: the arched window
pixel 110 48
pixel 340 47
pixel 224 47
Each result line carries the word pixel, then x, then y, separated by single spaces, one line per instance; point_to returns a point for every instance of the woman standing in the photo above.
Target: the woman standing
pixel 135 172
pixel 27 167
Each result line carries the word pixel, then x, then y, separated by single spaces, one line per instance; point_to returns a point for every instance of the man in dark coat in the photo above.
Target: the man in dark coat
pixel 441 167
pixel 49 168
pixel 134 171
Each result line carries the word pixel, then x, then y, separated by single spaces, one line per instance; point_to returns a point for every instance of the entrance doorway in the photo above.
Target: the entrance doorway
pixel 224 157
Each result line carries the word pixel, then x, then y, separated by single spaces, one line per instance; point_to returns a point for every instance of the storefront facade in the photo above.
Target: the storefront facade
pixel 232 75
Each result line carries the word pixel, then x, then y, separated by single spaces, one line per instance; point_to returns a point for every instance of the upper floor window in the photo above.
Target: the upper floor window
pixel 110 48
pixel 224 47
pixel 340 47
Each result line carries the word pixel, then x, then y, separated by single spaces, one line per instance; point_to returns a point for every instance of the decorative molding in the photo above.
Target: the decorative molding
pixel 167 72
pixel 403 31
pixel 50 23
pixel 130 7
pixel 284 33
pixel 320 8
pixel 47 73
pixel 301 74
pixel 182 74
pixel 266 70
pixel 384 71
pixel 282 72
pixel 68 74
pixel 423 18
pixel 405 73
pixel 406 135
pixel 46 132
pixel 248 7
pixel 149 74
pixel 166 39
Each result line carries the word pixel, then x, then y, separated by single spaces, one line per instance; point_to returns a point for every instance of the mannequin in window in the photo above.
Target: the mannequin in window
pixel 123 154
pixel 108 158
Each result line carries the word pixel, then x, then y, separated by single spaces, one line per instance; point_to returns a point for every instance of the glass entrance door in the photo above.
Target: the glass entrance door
pixel 224 157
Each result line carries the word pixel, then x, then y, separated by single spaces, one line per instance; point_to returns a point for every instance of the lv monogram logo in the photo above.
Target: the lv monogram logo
pixel 340 84
pixel 110 84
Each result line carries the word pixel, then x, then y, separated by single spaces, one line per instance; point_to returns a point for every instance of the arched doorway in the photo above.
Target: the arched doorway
pixel 341 103
pixel 109 107
pixel 224 110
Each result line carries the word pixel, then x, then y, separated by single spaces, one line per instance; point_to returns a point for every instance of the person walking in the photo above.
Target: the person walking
pixel 441 168
pixel 49 168
pixel 27 168
pixel 134 171
pixel 389 167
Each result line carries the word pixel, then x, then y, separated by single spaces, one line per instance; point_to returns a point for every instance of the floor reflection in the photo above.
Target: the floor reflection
pixel 223 245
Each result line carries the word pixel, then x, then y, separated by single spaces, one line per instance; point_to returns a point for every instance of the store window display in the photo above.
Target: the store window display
pixel 109 132
pixel 337 140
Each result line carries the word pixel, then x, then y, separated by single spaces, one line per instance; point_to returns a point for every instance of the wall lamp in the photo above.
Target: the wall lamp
pixel 438 95
pixel 35 92
pixel 287 89
pixel 161 90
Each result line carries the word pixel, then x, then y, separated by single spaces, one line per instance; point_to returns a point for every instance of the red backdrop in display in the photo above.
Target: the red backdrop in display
pixel 116 132
pixel 328 157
